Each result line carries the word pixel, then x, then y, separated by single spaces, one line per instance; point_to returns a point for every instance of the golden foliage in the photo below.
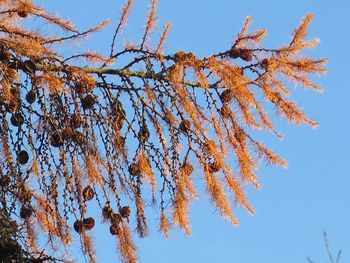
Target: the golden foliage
pixel 164 225
pixel 218 196
pixel 162 38
pixel 126 246
pixel 77 130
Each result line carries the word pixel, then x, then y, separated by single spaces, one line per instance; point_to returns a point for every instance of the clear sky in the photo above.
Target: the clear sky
pixel 294 205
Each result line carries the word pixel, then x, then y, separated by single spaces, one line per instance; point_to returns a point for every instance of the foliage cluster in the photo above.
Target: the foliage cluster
pixel 87 130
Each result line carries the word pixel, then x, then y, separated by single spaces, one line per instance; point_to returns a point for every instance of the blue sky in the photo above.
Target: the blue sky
pixel 294 205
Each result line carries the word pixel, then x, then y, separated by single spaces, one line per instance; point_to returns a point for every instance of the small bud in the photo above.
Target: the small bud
pixel 25 212
pixel 134 170
pixel 143 133
pixel 185 126
pixel 107 212
pixel 88 193
pixel 22 13
pixel 88 223
pixel 17 119
pixel 78 226
pixel 31 96
pixel 187 168
pixel 23 157
pixel 114 229
pixel 56 140
pixel 88 102
pixel 213 167
pixel 125 211
pixel 265 63
pixel 227 96
pixel 246 55
pixel 234 53
pixel 29 67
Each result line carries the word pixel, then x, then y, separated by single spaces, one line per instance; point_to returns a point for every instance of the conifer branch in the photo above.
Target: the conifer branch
pixel 75 133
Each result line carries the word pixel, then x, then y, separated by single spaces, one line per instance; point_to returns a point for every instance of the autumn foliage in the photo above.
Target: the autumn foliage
pixel 85 130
